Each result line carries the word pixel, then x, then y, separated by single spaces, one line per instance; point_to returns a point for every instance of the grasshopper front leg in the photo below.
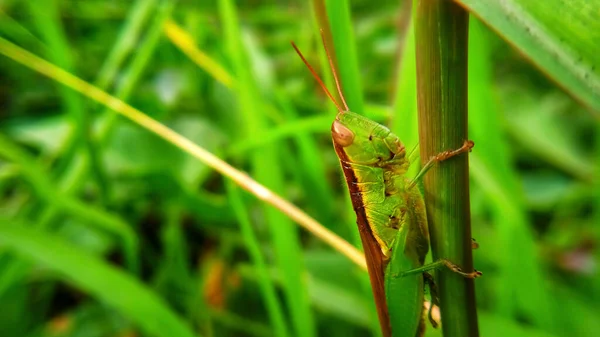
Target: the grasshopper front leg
pixel 466 147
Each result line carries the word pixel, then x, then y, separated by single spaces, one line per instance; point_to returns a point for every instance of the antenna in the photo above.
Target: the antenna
pixel 317 77
pixel 335 76
pixel 314 73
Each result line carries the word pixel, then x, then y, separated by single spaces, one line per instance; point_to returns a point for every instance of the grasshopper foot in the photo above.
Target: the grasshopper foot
pixel 466 147
pixel 458 270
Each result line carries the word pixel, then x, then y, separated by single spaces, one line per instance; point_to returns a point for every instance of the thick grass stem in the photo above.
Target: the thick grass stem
pixel 441 29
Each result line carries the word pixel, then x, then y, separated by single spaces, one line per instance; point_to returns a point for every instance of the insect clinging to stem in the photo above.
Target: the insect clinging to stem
pixel 390 212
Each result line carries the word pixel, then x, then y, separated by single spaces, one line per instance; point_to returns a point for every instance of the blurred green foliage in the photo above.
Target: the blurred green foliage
pixel 107 230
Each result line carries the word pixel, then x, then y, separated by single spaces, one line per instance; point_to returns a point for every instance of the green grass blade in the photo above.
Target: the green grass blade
pixel 265 168
pixel 267 286
pixel 441 28
pixel 405 102
pixel 16 31
pixel 345 57
pixel 47 191
pixel 103 281
pixel 123 46
pixel 47 19
pixel 560 37
pixel 143 56
pixel 73 178
pixel 334 18
pixel 322 23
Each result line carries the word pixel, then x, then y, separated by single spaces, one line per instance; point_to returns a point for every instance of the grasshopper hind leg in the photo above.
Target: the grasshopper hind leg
pixel 435 299
pixel 455 268
pixel 439 264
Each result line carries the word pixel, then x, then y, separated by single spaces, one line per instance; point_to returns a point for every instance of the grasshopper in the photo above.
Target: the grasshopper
pixel 390 212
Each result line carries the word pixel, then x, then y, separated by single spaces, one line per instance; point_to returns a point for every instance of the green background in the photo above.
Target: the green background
pixel 108 230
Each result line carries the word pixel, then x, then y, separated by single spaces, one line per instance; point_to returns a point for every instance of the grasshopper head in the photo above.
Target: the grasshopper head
pixel 358 139
pixel 367 142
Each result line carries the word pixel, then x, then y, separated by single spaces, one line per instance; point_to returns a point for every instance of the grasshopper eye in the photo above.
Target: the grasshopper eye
pixel 341 134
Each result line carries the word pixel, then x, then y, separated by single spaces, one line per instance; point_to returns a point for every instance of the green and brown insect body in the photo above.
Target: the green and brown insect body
pixel 373 253
pixel 390 212
pixel 378 161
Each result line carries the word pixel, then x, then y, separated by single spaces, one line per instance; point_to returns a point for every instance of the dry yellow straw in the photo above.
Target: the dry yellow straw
pixel 46 68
